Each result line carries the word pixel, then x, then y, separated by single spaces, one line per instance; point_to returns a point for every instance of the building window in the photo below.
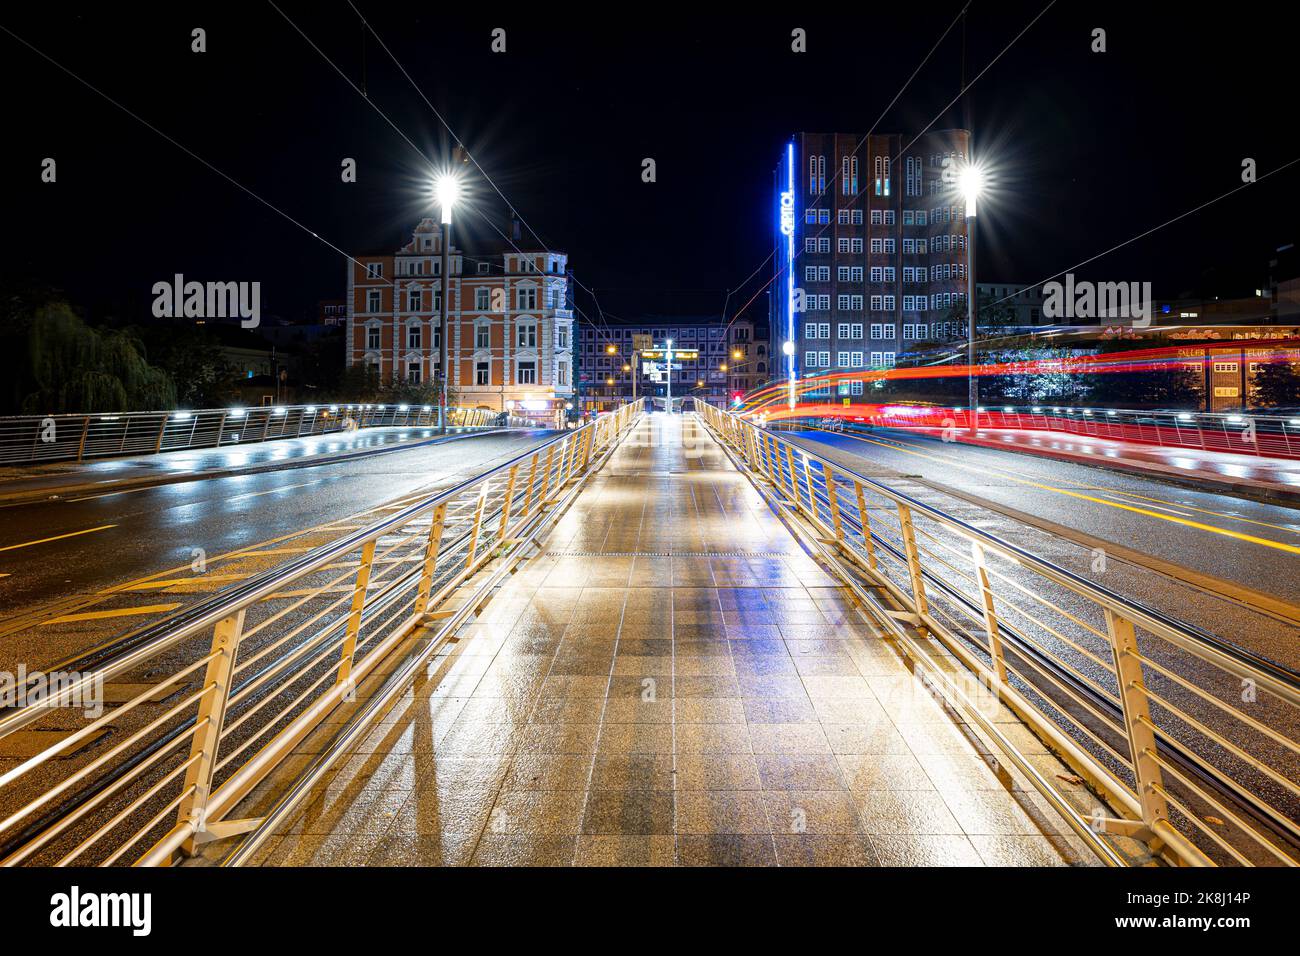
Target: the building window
pixel 526 335
pixel 482 299
pixel 482 373
pixel 374 270
pixel 414 336
pixel 372 337
pixel 374 300
pixel 413 371
pixel 526 299
pixel 562 374
pixel 562 337
pixel 482 337
pixel 526 373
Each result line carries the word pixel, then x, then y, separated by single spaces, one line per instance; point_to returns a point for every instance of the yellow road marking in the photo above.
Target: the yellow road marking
pixel 119 612
pixel 170 582
pixel 57 537
pixel 1129 494
pixel 1200 526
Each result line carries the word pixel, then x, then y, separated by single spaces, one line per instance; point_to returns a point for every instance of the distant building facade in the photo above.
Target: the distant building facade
pixel 871 248
pixel 512 331
pixel 731 359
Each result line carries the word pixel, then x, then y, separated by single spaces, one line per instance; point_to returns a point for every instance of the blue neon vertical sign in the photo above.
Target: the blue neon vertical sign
pixel 787 228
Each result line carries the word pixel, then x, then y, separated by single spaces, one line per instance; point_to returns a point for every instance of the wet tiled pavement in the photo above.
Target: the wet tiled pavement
pixel 672 682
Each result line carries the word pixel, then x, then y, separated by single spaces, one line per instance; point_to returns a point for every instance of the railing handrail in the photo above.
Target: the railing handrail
pixel 204 614
pixel 1153 720
pixel 1283 680
pixel 450 535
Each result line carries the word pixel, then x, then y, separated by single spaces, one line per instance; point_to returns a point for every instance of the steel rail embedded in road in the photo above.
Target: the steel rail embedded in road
pixel 1192 740
pixel 33 439
pixel 220 694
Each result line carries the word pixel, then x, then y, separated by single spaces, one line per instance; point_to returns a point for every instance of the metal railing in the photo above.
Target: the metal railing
pixel 212 700
pixel 1265 436
pixel 1191 739
pixel 32 439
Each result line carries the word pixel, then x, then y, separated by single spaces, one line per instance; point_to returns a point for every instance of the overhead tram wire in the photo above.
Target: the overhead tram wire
pixel 1154 229
pixel 185 149
pixel 885 112
pixel 514 211
pixel 433 167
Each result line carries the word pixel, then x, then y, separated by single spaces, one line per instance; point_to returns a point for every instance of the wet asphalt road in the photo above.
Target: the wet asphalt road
pixel 1226 564
pixel 115 538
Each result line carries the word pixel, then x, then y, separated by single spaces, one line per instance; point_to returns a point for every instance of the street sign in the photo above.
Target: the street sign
pixel 641 342
pixel 686 355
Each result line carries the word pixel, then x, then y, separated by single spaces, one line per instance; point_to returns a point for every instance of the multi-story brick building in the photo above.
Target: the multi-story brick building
pixel 871 248
pixel 511 318
pixel 731 359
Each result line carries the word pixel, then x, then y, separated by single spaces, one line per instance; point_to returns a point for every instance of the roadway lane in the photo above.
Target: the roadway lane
pixel 1224 563
pixel 169 466
pixel 61 556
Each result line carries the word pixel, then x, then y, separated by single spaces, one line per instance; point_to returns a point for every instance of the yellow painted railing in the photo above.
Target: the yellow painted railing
pixel 1190 739
pixel 215 698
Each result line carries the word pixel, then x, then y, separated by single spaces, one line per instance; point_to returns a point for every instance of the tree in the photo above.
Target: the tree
pixel 192 357
pixel 1276 383
pixel 56 363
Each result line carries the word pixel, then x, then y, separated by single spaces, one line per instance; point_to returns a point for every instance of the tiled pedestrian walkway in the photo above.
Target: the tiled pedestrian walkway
pixel 674 681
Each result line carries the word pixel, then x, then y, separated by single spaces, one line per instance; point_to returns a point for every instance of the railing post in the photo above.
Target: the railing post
pixel 81 446
pixel 507 502
pixel 207 727
pixel 354 617
pixel 162 430
pixel 913 559
pixel 812 491
pixel 532 476
pixel 478 525
pixel 866 525
pixel 836 525
pixel 546 477
pixel 1137 717
pixel 436 524
pixel 990 613
pixel 586 452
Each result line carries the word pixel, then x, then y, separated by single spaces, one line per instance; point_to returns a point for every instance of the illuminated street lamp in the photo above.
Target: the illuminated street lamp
pixel 447 191
pixel 611 349
pixel 971 183
pixel 737 354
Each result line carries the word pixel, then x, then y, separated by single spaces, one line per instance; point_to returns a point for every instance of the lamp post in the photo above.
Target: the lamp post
pixel 448 190
pixel 668 367
pixel 972 182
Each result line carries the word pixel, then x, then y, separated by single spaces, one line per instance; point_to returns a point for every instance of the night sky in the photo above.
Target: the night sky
pixel 1084 150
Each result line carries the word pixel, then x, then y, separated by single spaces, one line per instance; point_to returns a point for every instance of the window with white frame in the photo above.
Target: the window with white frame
pixel 372 336
pixel 482 336
pixel 482 299
pixel 526 335
pixel 842 302
pixel 374 270
pixel 877 302
pixel 414 336
pixel 525 298
pixel 526 372
pixel 483 372
pixel 374 300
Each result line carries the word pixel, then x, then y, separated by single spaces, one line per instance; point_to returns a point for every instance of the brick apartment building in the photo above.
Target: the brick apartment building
pixel 873 241
pixel 511 318
pixel 731 360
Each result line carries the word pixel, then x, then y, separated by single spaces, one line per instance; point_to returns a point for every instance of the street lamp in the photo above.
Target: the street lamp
pixel 447 190
pixel 971 183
